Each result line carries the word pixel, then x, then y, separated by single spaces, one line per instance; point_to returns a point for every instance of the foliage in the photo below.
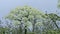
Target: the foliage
pixel 58 5
pixel 28 20
pixel 27 16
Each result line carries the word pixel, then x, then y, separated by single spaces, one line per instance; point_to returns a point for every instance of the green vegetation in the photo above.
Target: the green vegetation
pixel 28 20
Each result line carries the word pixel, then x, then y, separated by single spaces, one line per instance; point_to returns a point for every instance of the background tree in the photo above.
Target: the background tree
pixel 58 5
pixel 54 18
pixel 27 16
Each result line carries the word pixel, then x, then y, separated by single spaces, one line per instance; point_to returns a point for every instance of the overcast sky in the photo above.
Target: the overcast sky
pixel 7 5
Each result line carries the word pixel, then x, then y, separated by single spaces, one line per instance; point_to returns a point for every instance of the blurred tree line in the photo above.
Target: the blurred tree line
pixel 28 20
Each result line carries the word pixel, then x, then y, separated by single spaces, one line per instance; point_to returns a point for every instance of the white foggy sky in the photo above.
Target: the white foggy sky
pixel 7 5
